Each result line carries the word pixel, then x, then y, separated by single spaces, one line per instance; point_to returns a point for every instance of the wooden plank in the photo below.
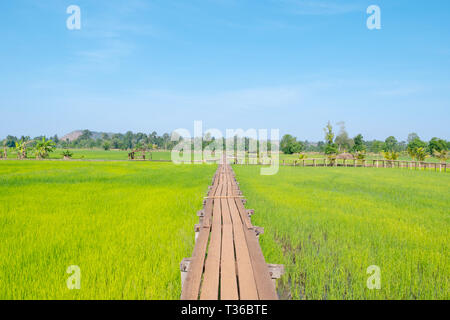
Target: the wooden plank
pixel 191 285
pixel 234 263
pixel 246 278
pixel 193 280
pixel 210 285
pixel 265 286
pixel 228 282
pixel 246 219
pixel 209 203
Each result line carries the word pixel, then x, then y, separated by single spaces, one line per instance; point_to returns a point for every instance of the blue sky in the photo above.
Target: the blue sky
pixel 288 64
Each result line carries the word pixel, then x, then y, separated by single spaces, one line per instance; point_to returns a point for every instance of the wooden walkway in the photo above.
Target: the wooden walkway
pixel 227 262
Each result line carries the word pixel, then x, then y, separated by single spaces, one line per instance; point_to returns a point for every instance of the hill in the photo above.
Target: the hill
pixel 74 135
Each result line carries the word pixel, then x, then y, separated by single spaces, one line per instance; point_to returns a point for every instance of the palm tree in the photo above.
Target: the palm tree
pixel 67 154
pixel 420 154
pixel 391 155
pixel 441 155
pixel 21 148
pixel 43 147
pixel 5 150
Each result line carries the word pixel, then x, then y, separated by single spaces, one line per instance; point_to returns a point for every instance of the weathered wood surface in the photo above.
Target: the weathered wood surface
pixel 227 262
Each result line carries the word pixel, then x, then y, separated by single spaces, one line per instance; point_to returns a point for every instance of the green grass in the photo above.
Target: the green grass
pixel 127 225
pixel 327 225
pixel 371 156
pixel 100 154
pixel 97 154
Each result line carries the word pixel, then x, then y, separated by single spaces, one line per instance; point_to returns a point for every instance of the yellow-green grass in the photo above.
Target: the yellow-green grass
pixel 100 154
pixel 371 156
pixel 127 225
pixel 327 225
pixel 97 154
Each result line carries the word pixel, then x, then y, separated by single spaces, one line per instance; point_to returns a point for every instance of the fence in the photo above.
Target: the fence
pixel 376 163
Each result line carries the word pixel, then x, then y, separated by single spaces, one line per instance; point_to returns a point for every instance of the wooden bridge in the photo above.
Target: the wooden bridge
pixel 227 262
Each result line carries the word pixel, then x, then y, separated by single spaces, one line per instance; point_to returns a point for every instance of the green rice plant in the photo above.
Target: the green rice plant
pixel 127 225
pixel 328 225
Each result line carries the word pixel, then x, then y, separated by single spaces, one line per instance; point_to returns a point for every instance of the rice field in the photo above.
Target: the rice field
pixel 113 154
pixel 328 225
pixel 96 154
pixel 369 157
pixel 127 225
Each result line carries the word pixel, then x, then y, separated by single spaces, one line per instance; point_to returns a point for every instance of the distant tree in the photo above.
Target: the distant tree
pixel 360 155
pixel 331 148
pixel 441 155
pixel 320 146
pixel 376 146
pixel 11 141
pixel 85 135
pixel 43 148
pixel 55 138
pixel 420 154
pixel 67 154
pixel 329 135
pixel 401 146
pixel 290 145
pixel 437 145
pixel 298 147
pixel 22 149
pixel 166 140
pixel 4 153
pixel 415 148
pixel 342 140
pixel 359 145
pixel 152 137
pixel 391 155
pixel 106 145
pixel 128 140
pixel 411 137
pixel 390 144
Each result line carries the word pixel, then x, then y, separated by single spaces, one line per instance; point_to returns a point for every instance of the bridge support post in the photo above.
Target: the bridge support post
pixel 275 271
pixel 258 231
pixel 184 267
pixel 197 230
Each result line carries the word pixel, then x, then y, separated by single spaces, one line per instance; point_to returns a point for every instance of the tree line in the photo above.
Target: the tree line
pixel 332 145
pixel 391 148
pixel 126 141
